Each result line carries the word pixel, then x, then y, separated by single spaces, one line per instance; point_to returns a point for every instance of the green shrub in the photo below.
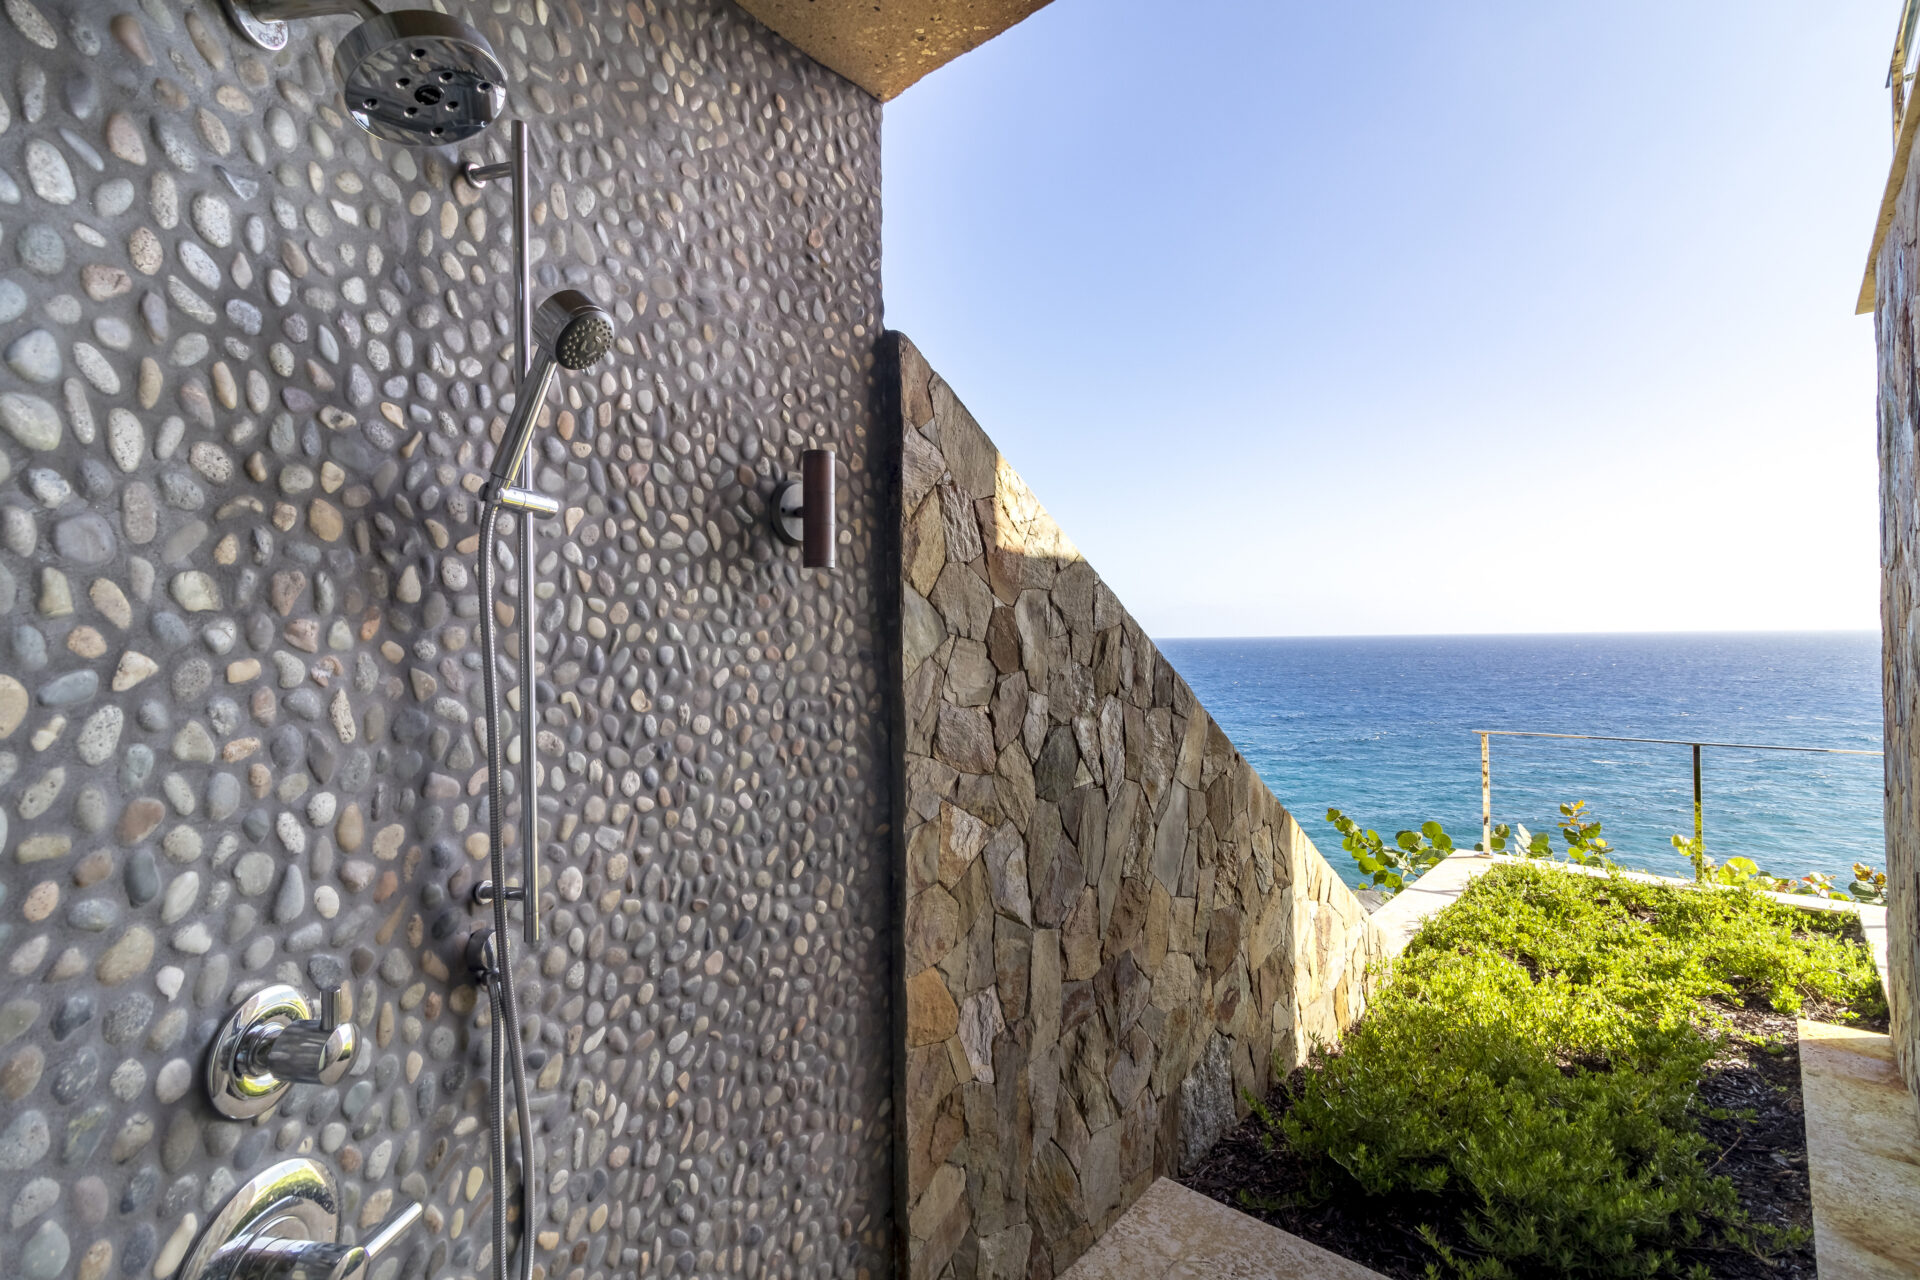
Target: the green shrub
pixel 1578 826
pixel 1531 1067
pixel 1657 948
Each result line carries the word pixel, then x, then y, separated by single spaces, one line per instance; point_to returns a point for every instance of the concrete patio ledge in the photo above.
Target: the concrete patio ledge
pixel 1174 1233
pixel 1403 915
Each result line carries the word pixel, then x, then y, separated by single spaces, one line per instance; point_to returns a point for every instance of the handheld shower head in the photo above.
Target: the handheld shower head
pixel 573 328
pixel 415 77
pixel 569 330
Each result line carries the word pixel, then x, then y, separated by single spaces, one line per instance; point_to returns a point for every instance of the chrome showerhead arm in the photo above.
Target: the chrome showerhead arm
pixel 264 22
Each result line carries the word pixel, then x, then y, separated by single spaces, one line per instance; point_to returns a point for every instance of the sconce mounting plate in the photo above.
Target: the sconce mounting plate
pixel 789 509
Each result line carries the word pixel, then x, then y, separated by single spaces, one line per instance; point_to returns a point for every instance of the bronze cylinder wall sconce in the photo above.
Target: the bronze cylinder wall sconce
pixel 804 510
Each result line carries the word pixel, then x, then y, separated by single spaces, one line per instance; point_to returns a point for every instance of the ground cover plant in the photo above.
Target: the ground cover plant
pixel 1534 1087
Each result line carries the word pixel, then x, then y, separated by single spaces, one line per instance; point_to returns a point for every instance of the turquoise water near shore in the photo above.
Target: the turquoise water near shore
pixel 1381 728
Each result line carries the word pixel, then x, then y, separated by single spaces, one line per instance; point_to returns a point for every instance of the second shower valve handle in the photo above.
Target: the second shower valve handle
pixel 319 1051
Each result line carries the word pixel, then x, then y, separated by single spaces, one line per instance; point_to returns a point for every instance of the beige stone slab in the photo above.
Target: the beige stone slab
pixel 1863 1155
pixel 1173 1233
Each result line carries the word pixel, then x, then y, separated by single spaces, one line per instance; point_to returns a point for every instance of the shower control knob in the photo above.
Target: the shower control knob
pixel 272 1041
pixel 315 1051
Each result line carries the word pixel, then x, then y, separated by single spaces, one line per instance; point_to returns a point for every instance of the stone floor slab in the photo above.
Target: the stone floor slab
pixel 1862 1155
pixel 1173 1233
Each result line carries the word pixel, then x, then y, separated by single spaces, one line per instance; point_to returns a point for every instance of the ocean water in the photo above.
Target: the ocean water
pixel 1382 729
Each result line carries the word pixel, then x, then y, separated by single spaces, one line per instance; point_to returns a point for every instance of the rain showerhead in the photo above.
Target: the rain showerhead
pixel 419 77
pixel 569 330
pixel 415 77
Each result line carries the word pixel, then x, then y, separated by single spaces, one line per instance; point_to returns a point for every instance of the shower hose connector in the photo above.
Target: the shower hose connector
pixel 483 893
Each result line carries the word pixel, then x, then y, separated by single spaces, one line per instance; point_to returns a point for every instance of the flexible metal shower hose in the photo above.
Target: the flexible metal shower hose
pixel 505 1005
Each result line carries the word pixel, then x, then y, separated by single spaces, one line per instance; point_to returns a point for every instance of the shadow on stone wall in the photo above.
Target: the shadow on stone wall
pixel 1113 930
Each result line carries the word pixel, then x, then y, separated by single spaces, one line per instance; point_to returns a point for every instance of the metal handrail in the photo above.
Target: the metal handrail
pixel 1699 832
pixel 1897 74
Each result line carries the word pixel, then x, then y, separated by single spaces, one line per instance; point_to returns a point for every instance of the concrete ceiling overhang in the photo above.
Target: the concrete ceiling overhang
pixel 885 45
pixel 1889 199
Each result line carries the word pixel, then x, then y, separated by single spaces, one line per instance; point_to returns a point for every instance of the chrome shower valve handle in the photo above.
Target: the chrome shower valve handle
pixel 307 1052
pixel 320 1260
pixel 273 1041
pixel 284 1224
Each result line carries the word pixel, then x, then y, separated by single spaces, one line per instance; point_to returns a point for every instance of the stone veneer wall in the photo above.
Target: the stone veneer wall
pixel 253 365
pixel 1897 285
pixel 1113 929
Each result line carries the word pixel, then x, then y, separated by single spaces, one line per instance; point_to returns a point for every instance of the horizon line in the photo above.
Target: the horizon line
pixel 1532 635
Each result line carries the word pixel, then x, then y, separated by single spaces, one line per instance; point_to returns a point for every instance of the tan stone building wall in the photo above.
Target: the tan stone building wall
pixel 1899 418
pixel 1113 930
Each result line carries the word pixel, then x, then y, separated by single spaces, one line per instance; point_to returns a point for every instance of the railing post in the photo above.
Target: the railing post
pixel 1699 810
pixel 1486 792
pixel 1699 836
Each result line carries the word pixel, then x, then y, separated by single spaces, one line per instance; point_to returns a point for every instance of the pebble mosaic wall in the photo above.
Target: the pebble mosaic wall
pixel 1897 282
pixel 1113 930
pixel 253 366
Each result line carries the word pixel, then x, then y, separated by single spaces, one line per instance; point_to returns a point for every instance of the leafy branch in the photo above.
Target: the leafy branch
pixel 1393 866
pixel 1410 856
pixel 1867 885
pixel 1578 827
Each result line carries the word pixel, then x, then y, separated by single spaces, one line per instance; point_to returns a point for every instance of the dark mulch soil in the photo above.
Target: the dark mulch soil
pixel 1765 1157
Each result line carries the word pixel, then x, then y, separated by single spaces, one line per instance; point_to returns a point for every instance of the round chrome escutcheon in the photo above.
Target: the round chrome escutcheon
pixel 235 1091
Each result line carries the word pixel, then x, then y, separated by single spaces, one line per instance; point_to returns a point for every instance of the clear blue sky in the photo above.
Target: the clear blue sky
pixel 1348 318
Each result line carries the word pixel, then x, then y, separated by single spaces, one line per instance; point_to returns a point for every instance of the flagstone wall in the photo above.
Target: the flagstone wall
pixel 1897 288
pixel 1113 930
